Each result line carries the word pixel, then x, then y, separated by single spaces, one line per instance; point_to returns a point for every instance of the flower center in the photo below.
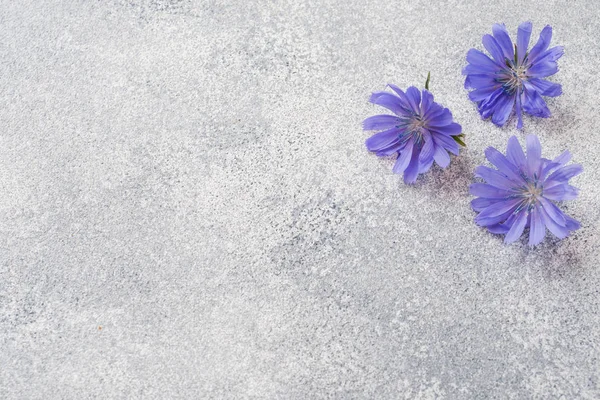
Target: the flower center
pixel 531 192
pixel 416 124
pixel 513 77
pixel 414 128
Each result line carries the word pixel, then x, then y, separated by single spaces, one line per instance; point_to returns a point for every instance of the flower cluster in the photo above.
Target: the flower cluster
pixel 522 191
pixel 420 132
pixel 513 78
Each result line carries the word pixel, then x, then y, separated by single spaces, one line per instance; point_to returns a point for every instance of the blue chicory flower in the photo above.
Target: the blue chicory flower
pixel 512 78
pixel 421 131
pixel 522 192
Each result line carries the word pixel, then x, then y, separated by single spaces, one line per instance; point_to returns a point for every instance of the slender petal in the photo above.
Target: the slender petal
pixel 412 171
pixel 488 191
pixel 478 58
pixel 499 208
pixel 503 39
pixel 404 158
pixel 450 129
pixel 565 173
pixel 481 203
pixel 557 230
pixel 414 98
pixel 441 156
pixel 428 149
pixel 494 178
pixel 401 95
pixel 542 44
pixel 503 110
pixel 503 164
pixel 544 87
pixel 537 229
pixel 523 35
pixel 534 155
pixel 382 139
pixel 572 224
pixel 534 104
pixel 492 46
pixel 377 122
pixel 561 193
pixel 389 101
pixel 514 153
pixel 517 228
pixel 447 143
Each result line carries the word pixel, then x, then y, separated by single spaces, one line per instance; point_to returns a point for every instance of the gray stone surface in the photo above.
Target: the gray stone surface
pixel 187 209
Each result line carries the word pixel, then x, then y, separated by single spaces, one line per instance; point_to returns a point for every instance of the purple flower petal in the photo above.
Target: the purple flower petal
pixel 537 229
pixel 503 39
pixel 412 171
pixel 492 46
pixel 553 212
pixel 447 143
pixel 404 158
pixel 516 230
pixel 377 122
pixel 401 95
pixel 481 203
pixel 414 98
pixel 503 164
pixel 482 93
pixel 495 219
pixel 445 118
pixel 390 102
pixel 499 208
pixel 514 153
pixel 441 156
pixel 391 149
pixel 499 229
pixel 561 193
pixel 504 107
pixel 523 35
pixel 481 81
pixel 565 173
pixel 488 191
pixel 452 129
pixel 544 87
pixel 534 104
pixel 428 149
pixel 426 101
pixel 479 59
pixel 383 139
pixel 543 69
pixel 494 178
pixel 572 224
pixel 560 232
pixel 534 155
pixel 542 44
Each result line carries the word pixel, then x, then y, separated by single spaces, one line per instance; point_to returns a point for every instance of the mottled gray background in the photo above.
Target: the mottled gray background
pixel 187 209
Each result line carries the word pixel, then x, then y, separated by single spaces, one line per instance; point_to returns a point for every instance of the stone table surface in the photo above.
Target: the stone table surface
pixel 187 209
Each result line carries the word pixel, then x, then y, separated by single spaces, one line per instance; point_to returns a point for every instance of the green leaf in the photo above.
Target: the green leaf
pixel 427 81
pixel 516 61
pixel 459 139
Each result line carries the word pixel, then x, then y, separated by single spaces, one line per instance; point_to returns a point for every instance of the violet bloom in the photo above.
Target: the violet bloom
pixel 522 192
pixel 421 131
pixel 512 78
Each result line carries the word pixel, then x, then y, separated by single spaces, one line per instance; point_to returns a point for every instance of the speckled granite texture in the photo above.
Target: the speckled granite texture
pixel 187 209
